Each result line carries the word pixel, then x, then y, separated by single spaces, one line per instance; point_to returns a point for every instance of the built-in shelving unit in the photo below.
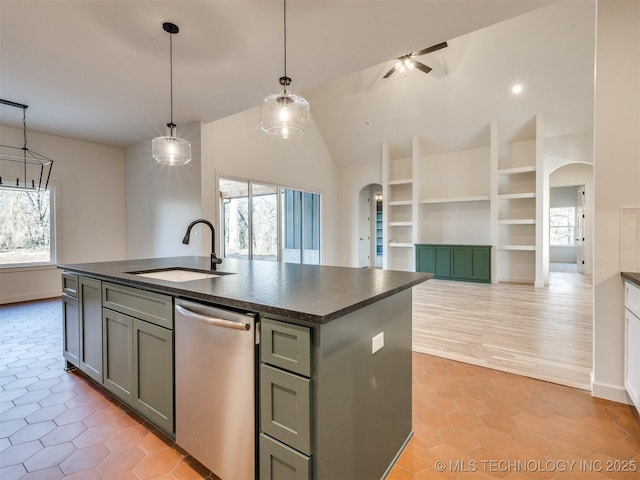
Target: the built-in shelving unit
pixel 490 195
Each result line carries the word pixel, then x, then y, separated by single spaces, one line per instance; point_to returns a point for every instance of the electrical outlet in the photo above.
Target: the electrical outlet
pixel 377 342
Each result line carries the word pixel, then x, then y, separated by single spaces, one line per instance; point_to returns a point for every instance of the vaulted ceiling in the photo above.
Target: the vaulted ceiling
pixel 98 70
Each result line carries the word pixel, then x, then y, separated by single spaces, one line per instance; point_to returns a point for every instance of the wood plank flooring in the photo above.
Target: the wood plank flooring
pixel 543 333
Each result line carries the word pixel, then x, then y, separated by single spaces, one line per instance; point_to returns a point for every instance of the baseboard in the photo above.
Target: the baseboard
pixel 609 391
pixel 29 297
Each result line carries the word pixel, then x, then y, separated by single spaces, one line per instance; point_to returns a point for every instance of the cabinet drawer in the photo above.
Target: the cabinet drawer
pixel 285 409
pixel 70 284
pixel 632 298
pixel 152 307
pixel 279 462
pixel 286 346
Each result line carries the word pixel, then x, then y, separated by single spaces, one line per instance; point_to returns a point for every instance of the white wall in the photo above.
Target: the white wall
pixel 616 180
pixel 162 201
pixel 352 179
pixel 89 187
pixel 236 146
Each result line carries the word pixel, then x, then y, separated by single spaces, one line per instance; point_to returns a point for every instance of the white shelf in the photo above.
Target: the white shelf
pixel 400 244
pixel 518 221
pixel 516 171
pixel 406 181
pixel 511 196
pixel 401 224
pixel 529 248
pixel 480 198
pixel 401 202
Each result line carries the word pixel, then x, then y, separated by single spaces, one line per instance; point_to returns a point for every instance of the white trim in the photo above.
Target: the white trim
pixel 29 297
pixel 609 391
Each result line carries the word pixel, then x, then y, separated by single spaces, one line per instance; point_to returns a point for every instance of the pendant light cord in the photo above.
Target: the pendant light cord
pixel 285 36
pixel 24 128
pixel 171 74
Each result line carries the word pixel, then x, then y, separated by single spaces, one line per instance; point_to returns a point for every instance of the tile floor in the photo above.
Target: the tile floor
pixel 469 422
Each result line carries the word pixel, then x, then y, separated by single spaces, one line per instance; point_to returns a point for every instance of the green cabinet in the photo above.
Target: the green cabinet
pixel 70 320
pixel 138 351
pixel 153 392
pixel 470 263
pixel 285 401
pixel 90 319
pixel 117 333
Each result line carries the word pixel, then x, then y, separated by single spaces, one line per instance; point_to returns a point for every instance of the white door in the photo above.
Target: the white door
pixel 364 229
pixel 580 229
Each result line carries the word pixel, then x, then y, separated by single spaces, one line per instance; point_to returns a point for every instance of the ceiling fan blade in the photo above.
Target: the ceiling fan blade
pixel 421 66
pixel 430 49
pixel 390 72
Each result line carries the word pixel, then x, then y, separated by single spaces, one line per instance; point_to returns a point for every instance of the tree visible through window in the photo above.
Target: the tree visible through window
pixel 562 224
pixel 267 222
pixel 25 227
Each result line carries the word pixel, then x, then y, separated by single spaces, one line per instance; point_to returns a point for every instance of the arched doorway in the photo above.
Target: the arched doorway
pixel 570 219
pixel 370 226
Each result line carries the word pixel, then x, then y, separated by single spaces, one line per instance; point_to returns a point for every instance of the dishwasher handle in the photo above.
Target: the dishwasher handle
pixel 217 322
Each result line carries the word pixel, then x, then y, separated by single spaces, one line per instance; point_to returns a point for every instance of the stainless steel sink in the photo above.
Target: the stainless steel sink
pixel 177 274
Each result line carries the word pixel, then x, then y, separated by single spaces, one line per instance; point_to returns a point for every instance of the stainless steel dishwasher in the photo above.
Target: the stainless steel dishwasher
pixel 215 388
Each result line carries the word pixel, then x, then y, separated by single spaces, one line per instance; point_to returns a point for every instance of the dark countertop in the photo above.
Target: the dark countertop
pixel 633 277
pixel 310 293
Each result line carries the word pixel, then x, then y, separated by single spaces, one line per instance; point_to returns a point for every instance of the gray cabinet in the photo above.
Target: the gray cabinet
pixel 90 318
pixel 70 320
pixel 117 333
pixel 153 393
pixel 280 462
pixel 285 401
pixel 138 351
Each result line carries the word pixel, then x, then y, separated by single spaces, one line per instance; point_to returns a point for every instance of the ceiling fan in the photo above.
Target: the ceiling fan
pixel 408 61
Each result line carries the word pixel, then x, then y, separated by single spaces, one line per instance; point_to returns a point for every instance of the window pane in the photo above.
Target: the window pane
pixel 264 225
pixel 291 225
pixel 235 219
pixel 25 227
pixel 561 226
pixel 311 233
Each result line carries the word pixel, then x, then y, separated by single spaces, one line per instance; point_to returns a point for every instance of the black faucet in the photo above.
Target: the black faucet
pixel 214 258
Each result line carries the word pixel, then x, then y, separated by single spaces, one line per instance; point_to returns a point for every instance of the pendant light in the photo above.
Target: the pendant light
pixel 284 114
pixel 30 169
pixel 171 150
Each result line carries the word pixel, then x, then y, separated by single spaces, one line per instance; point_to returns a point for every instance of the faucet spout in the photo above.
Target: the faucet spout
pixel 214 258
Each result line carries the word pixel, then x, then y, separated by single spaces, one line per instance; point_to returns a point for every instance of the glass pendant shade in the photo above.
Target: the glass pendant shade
pixel 284 115
pixel 171 150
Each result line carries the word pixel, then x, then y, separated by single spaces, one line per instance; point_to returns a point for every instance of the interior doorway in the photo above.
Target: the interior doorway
pixel 370 226
pixel 570 232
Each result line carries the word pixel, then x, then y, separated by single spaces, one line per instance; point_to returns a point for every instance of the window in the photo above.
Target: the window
pixel 562 224
pixel 26 227
pixel 283 224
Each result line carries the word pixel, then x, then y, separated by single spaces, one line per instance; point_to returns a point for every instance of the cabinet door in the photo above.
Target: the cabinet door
pixel 632 357
pixel 117 345
pixel 480 263
pixel 279 462
pixel 70 330
pixel 285 407
pixel 425 259
pixel 90 297
pixel 442 262
pixel 153 373
pixel 460 262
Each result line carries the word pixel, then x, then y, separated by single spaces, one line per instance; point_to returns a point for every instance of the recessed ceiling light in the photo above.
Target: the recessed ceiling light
pixel 517 89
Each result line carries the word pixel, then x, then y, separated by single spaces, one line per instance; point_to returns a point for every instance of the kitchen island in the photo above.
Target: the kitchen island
pixel 348 329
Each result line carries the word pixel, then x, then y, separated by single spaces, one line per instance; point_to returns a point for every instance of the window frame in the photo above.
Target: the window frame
pixel 570 226
pixel 280 217
pixel 53 233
